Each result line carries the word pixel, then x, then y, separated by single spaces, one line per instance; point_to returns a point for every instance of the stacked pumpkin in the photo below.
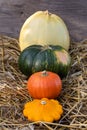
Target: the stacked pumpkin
pixel 44 43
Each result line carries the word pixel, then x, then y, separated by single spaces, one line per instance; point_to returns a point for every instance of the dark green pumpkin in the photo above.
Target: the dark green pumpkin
pixel 38 58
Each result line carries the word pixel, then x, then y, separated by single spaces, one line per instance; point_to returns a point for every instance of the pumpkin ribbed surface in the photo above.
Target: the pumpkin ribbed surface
pixel 44 84
pixel 38 58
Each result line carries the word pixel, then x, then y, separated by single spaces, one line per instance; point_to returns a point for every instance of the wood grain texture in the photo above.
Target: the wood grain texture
pixel 13 13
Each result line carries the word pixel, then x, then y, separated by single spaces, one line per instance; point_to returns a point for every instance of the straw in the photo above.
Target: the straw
pixel 13 92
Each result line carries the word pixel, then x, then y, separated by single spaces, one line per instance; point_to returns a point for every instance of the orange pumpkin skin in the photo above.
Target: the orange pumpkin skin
pixel 44 84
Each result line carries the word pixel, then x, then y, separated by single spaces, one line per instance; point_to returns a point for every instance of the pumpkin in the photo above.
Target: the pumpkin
pixel 46 110
pixel 44 84
pixel 44 28
pixel 38 58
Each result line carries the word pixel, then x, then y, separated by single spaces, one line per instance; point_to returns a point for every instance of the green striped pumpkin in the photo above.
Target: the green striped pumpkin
pixel 37 58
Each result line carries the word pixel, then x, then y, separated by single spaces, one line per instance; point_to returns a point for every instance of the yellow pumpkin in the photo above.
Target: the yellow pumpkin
pixel 44 28
pixel 47 110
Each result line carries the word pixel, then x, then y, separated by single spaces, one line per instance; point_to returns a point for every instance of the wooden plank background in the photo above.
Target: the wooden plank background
pixel 13 13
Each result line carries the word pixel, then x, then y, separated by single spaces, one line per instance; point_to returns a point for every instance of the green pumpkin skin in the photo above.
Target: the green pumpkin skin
pixel 37 58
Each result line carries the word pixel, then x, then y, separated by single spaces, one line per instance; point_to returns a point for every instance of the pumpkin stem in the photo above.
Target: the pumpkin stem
pixel 44 73
pixel 47 47
pixel 43 102
pixel 47 12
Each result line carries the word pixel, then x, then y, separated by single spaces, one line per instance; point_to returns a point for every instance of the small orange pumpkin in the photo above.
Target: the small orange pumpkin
pixel 45 109
pixel 44 84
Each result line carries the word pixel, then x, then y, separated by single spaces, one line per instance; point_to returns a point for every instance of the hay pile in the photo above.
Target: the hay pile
pixel 13 93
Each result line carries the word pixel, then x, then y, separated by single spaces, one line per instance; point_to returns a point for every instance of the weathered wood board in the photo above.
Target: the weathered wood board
pixel 13 13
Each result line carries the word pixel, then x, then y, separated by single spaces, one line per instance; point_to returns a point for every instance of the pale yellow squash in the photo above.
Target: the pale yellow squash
pixel 44 28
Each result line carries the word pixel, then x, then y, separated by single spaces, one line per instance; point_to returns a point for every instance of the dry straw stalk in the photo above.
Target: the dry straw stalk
pixel 13 93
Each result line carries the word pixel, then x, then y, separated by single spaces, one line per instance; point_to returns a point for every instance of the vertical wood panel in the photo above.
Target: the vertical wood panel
pixel 13 13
